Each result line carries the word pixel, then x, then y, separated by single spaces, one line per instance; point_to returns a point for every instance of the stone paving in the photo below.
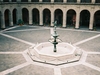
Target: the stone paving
pixel 15 42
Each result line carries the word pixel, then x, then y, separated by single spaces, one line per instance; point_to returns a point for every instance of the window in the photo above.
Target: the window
pixel 85 1
pixel 58 0
pixel 46 0
pixel 34 0
pixel 24 0
pixel 13 0
pixel 5 0
pixel 71 0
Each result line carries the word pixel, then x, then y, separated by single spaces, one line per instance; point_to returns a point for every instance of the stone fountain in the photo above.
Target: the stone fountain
pixel 55 51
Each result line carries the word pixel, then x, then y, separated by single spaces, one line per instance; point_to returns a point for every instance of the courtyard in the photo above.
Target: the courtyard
pixel 16 41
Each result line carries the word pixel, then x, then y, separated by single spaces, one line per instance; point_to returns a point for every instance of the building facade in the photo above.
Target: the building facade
pixel 80 13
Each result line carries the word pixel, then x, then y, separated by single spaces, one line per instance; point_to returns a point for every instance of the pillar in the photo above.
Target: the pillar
pixel 30 17
pixel 10 0
pixel 41 17
pixel 78 1
pixel 19 13
pixel 52 1
pixel 18 0
pixel 77 20
pixel 52 17
pixel 40 0
pixel 10 19
pixel 93 1
pixel 64 18
pixel 29 0
pixel 64 1
pixel 2 20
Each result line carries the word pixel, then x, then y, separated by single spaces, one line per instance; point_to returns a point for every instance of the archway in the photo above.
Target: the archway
pixel 58 16
pixel 46 0
pixel 25 16
pixel 46 17
pixel 35 16
pixel 97 1
pixel 7 17
pixel 84 18
pixel 14 16
pixel 71 0
pixel 71 18
pixel 97 19
pixel 0 19
pixel 85 1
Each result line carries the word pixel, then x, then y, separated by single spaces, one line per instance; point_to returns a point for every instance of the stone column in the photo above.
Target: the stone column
pixel 52 17
pixel 64 18
pixel 2 20
pixel 41 17
pixel 52 1
pixel 10 18
pixel 93 1
pixel 78 1
pixel 18 0
pixel 10 0
pixel 29 0
pixel 40 0
pixel 64 1
pixel 30 17
pixel 77 20
pixel 19 13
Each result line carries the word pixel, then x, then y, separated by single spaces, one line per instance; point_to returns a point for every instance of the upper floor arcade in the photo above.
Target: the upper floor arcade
pixel 52 1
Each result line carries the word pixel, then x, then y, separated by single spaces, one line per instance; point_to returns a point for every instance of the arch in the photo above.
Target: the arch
pixel 71 17
pixel 58 16
pixel 7 17
pixel 84 18
pixel 97 19
pixel 58 0
pixel 25 15
pixel 35 16
pixel 14 16
pixel 85 1
pixel 0 19
pixel 71 0
pixel 34 0
pixel 46 17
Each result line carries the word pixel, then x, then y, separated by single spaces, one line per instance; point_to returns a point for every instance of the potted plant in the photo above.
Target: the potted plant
pixel 20 22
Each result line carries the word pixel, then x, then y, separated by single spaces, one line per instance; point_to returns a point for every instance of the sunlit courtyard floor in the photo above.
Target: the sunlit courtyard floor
pixel 15 42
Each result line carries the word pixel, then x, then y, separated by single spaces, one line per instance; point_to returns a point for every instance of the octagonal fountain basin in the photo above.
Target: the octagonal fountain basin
pixel 66 52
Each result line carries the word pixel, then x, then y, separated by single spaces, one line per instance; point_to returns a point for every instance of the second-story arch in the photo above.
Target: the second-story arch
pixel 7 17
pixel 35 16
pixel 97 19
pixel 58 16
pixel 46 17
pixel 84 18
pixel 14 16
pixel 71 17
pixel 25 15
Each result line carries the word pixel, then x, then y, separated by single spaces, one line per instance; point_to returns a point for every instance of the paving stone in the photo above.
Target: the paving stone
pixel 8 44
pixel 92 45
pixel 33 36
pixel 33 70
pixel 79 70
pixel 94 59
pixel 8 61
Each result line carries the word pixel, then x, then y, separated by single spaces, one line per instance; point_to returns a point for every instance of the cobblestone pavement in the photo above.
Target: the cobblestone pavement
pixel 15 42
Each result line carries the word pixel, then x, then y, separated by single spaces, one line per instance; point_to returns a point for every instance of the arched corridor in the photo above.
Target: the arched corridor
pixel 71 17
pixel 35 16
pixel 25 16
pixel 14 16
pixel 58 16
pixel 7 17
pixel 46 17
pixel 84 18
pixel 97 19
